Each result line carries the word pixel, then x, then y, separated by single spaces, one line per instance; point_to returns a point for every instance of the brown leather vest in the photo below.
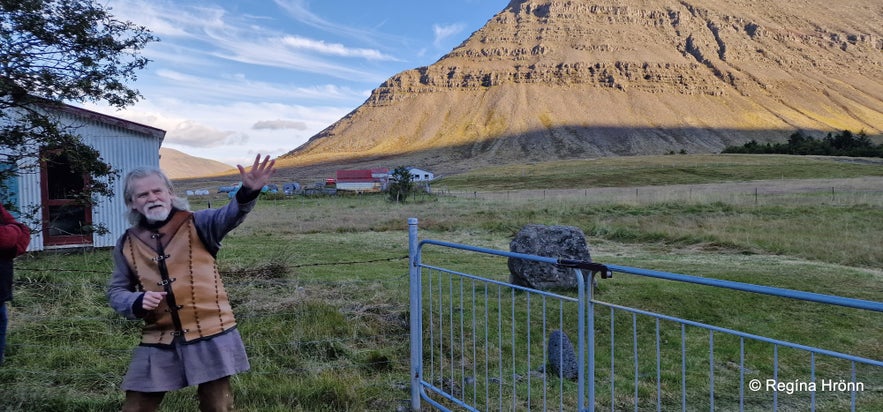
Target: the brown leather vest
pixel 174 259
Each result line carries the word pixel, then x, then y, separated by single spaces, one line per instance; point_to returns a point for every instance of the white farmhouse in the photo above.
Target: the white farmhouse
pixel 420 175
pixel 122 144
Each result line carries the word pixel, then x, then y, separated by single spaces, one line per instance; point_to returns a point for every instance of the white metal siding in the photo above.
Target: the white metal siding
pixel 419 175
pixel 124 150
pixel 358 186
pixel 29 194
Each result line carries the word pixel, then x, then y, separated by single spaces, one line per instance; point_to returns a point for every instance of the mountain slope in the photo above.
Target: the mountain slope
pixel 557 79
pixel 179 165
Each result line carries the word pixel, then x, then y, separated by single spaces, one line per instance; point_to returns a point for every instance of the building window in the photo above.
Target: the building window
pixel 66 219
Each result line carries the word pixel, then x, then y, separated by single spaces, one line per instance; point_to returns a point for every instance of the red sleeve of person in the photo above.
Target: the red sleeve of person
pixel 14 236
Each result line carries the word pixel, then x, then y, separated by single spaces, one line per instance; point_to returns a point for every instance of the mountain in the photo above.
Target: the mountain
pixel 583 78
pixel 179 165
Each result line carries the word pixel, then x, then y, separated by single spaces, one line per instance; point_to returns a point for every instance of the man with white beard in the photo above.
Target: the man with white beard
pixel 166 274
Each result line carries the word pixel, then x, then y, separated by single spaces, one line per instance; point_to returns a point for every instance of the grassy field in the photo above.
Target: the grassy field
pixel 661 170
pixel 320 286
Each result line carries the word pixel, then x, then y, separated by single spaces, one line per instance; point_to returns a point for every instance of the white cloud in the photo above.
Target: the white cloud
pixel 298 10
pixel 193 134
pixel 228 131
pixel 210 32
pixel 443 33
pixel 335 49
pixel 152 15
pixel 279 125
pixel 236 87
pixel 272 52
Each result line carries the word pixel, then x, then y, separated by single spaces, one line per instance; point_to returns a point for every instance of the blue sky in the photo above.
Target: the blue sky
pixel 231 78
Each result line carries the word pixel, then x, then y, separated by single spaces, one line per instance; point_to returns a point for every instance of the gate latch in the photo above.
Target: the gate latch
pixel 587 265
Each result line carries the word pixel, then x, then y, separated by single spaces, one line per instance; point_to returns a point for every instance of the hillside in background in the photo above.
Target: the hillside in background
pixel 178 165
pixel 545 80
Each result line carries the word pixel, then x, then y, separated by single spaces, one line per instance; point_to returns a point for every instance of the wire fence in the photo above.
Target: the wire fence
pixel 30 280
pixel 853 191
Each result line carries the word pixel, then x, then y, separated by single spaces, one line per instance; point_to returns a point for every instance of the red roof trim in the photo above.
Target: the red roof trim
pixel 151 131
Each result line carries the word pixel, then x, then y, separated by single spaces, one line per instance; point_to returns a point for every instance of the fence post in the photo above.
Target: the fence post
pixel 416 316
pixel 581 341
pixel 586 342
pixel 590 330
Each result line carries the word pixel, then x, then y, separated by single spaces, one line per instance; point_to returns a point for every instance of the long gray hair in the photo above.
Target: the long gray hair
pixel 129 192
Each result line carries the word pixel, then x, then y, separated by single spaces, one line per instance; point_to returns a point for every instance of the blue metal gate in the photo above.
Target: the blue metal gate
pixel 480 343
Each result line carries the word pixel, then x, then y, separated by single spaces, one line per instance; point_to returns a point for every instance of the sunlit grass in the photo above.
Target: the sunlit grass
pixel 657 170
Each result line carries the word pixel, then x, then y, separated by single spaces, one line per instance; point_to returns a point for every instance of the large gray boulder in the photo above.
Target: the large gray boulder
pixel 563 242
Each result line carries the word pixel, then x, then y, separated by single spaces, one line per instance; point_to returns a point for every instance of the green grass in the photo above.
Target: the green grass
pixel 320 291
pixel 657 170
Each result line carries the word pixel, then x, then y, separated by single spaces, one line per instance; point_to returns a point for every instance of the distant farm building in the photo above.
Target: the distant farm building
pixel 420 175
pixel 291 188
pixel 362 181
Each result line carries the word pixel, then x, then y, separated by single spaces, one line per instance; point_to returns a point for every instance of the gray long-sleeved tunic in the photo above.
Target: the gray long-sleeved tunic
pixel 156 369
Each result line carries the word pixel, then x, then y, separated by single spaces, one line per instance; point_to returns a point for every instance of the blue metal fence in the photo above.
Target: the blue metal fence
pixel 479 343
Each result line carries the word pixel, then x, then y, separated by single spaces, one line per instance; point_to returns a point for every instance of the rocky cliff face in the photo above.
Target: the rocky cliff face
pixel 557 79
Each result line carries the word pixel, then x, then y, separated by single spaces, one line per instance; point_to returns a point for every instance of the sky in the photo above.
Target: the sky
pixel 230 79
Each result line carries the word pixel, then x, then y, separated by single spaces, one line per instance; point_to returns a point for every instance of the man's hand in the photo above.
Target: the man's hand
pixel 152 299
pixel 259 175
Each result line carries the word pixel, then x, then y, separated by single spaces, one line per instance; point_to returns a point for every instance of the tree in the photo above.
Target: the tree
pixel 842 144
pixel 56 51
pixel 400 185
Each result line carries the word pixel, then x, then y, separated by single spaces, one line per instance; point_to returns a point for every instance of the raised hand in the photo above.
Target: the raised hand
pixel 259 174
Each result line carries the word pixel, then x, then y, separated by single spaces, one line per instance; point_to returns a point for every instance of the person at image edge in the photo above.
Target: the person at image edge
pixel 14 240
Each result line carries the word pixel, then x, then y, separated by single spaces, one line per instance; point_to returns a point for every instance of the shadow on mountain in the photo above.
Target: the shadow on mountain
pixel 557 143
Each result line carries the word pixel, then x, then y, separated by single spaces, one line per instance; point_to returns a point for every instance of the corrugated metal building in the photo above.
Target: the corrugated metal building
pixel 122 144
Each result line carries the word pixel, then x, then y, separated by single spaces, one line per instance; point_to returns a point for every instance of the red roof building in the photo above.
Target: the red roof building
pixel 364 180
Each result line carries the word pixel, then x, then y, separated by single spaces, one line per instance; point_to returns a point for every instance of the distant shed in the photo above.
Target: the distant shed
pixel 123 144
pixel 420 175
pixel 362 181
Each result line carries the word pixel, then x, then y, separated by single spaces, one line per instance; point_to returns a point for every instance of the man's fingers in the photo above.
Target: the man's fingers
pixel 264 165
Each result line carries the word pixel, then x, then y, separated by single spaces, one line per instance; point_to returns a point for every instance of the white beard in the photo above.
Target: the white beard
pixel 157 215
